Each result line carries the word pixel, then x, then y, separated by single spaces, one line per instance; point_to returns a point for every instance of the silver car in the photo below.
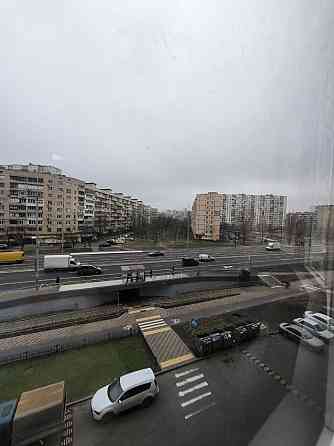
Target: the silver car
pixel 322 319
pixel 299 334
pixel 316 328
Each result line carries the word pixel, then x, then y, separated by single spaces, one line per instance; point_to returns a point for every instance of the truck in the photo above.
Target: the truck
pixel 11 256
pixel 273 246
pixel 60 262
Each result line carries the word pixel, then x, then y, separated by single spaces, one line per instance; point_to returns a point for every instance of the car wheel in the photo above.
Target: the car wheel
pixel 147 401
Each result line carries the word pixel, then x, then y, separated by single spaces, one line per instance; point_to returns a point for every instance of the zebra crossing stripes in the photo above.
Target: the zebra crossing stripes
pixel 154 324
pixel 192 390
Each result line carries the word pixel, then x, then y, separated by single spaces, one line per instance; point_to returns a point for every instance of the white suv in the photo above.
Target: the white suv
pixel 130 390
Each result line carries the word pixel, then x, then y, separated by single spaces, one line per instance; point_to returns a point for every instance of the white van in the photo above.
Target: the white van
pixel 130 390
pixel 60 262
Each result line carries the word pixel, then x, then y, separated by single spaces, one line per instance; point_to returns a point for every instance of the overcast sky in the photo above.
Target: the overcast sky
pixel 166 99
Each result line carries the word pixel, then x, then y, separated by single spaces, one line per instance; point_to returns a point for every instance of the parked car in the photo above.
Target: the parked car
pixel 189 261
pixel 155 254
pixel 88 270
pixel 322 318
pixel 300 334
pixel 130 390
pixel 206 258
pixel 315 327
pixel 3 246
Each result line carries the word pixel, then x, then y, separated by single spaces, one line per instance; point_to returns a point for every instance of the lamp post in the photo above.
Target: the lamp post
pixel 37 235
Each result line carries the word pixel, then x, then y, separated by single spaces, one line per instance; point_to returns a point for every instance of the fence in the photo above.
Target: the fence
pixel 74 342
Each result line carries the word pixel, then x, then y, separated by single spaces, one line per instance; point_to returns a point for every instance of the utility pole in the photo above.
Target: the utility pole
pixel 62 226
pixel 37 235
pixel 188 228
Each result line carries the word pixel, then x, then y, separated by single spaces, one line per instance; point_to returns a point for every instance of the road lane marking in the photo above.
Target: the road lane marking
pixel 187 372
pixel 153 327
pixel 190 380
pixel 194 400
pixel 148 323
pixel 197 412
pixel 192 389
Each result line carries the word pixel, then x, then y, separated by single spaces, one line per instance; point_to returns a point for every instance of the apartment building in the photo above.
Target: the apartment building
pixel 212 209
pixel 324 215
pixel 207 215
pixel 41 199
pixel 37 199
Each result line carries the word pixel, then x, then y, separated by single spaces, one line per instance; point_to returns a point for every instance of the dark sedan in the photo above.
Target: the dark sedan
pixel 155 254
pixel 189 261
pixel 88 270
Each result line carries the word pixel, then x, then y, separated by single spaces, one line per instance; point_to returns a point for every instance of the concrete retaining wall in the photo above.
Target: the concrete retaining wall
pixel 22 304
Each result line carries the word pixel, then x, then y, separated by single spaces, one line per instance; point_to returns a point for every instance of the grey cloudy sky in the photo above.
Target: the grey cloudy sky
pixel 167 99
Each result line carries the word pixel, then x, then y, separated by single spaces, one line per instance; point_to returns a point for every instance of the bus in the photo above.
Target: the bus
pixel 11 256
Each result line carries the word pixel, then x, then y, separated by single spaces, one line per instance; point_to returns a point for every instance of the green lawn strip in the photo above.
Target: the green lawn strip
pixel 84 370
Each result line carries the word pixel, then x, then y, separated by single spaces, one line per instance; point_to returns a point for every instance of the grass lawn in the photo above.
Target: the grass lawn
pixel 84 370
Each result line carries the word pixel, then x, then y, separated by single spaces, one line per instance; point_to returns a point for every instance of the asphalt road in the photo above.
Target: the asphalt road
pixel 22 276
pixel 223 400
pixel 267 391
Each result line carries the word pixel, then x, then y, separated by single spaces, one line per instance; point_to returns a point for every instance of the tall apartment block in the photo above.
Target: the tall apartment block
pixel 212 209
pixel 41 199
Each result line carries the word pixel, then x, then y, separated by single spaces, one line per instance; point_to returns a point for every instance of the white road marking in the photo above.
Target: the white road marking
pixel 178 375
pixel 197 412
pixel 189 380
pixel 153 321
pixel 192 389
pixel 151 327
pixel 194 400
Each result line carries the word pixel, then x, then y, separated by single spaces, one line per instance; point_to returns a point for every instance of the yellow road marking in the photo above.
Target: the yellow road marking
pixel 176 360
pixel 148 318
pixel 160 330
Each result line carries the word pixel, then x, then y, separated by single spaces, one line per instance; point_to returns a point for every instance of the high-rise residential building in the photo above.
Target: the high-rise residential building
pixel 324 215
pixel 41 199
pixel 207 214
pixel 212 209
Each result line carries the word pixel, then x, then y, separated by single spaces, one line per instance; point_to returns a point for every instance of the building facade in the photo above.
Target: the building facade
pixel 211 210
pixel 42 200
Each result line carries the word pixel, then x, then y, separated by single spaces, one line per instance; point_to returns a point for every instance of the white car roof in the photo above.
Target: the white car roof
pixel 137 378
pixel 324 316
pixel 310 321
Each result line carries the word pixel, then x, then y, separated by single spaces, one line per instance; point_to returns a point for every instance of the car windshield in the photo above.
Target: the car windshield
pixel 114 390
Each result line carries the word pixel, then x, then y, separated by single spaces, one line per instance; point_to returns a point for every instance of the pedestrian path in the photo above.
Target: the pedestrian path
pixel 193 392
pixel 166 346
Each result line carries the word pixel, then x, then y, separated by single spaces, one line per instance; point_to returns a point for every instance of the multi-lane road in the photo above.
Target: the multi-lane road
pixel 227 259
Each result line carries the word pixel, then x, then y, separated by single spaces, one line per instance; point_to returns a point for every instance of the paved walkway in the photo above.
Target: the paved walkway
pixel 166 346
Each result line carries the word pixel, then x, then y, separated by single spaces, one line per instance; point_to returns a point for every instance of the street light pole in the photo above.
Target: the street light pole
pixel 188 228
pixel 37 235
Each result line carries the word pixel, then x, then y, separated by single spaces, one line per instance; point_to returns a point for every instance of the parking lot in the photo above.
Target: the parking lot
pixel 226 399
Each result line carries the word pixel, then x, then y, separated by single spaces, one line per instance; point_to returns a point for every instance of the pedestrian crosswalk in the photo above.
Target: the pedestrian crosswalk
pixel 153 325
pixel 193 392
